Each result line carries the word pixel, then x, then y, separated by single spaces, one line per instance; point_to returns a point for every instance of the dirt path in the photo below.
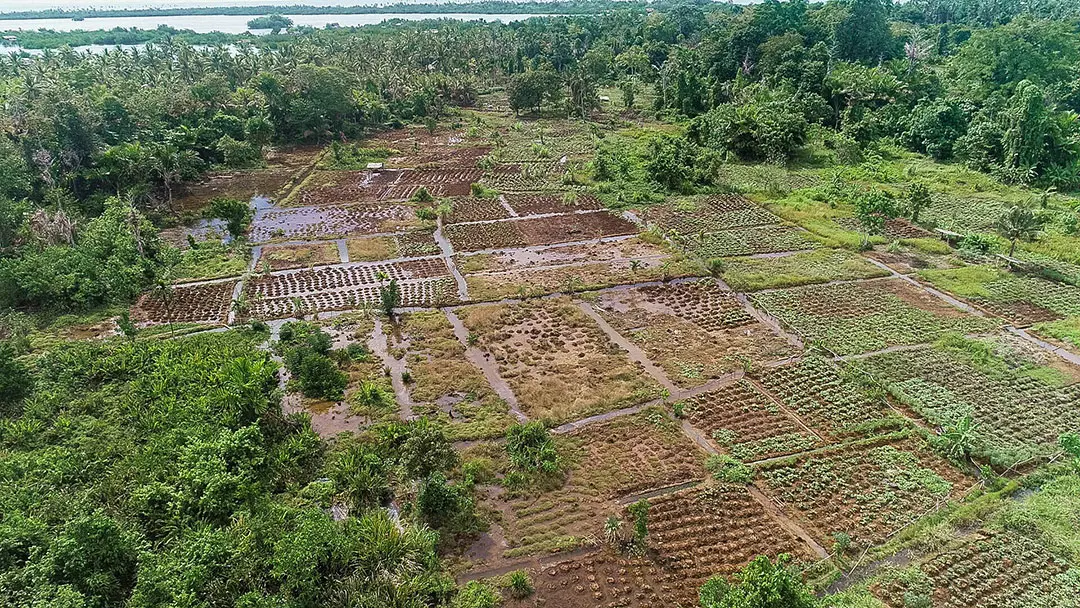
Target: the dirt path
pixel 636 354
pixel 379 346
pixel 786 522
pixel 448 257
pixel 491 372
pixel 1043 344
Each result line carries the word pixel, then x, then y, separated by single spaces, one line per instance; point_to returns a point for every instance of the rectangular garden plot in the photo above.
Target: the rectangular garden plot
pixel 715 529
pixel 444 384
pixel 473 209
pixel 203 303
pixel 803 268
pixel 747 424
pixel 698 215
pixel 306 255
pixel 604 462
pixel 538 231
pixel 570 268
pixel 831 402
pixel 329 222
pixel 423 282
pixel 605 579
pixel 1019 299
pixel 866 489
pixel 559 363
pixel 749 241
pixel 1020 409
pixel 414 244
pixel 990 569
pixel 537 204
pixel 694 330
pixel 851 318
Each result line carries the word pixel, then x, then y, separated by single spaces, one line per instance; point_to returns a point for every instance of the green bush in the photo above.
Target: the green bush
pixel 531 448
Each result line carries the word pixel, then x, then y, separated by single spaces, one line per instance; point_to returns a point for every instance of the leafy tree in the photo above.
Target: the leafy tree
pixel 874 209
pixel 761 584
pixel 531 448
pixel 389 298
pixel 761 128
pixel 1019 223
pixel 934 126
pixel 419 447
pixel 442 504
pixel 236 213
pixel 918 199
pixel 529 90
pixel 640 512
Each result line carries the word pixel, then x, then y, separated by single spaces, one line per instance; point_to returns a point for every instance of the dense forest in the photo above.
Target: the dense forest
pixel 164 473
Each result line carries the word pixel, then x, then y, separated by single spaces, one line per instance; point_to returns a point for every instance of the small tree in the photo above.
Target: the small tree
pixel 531 448
pixel 236 213
pixel 918 199
pixel 640 511
pixel 874 209
pixel 389 298
pixel 1019 223
pixel 959 438
pixel 1070 442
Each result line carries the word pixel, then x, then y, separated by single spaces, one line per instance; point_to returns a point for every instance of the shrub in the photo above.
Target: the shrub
pixel 317 376
pixel 475 595
pixel 761 584
pixel 761 129
pixel 237 215
pixel 531 448
pixel 520 584
pixel 727 469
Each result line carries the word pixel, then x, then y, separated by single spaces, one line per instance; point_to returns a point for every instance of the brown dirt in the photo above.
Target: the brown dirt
pixel 282 257
pixel 559 363
pixel 282 166
pixel 206 303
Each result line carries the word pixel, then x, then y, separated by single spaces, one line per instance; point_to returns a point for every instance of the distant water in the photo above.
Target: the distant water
pixel 41 5
pixel 234 24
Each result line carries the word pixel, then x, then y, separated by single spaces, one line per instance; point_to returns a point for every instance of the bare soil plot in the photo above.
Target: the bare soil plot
pixel 283 257
pixel 1019 299
pixel 443 383
pixel 283 165
pixel 746 423
pixel 416 146
pixel 413 244
pixel 203 303
pixel 568 268
pixel 559 363
pixel 604 461
pixel 714 529
pixel 473 209
pixel 750 241
pixel 537 204
pixel 851 318
pixel 692 216
pixel 694 330
pixel 866 489
pixel 987 569
pixel 1020 405
pixel 538 231
pixel 834 403
pixel 329 222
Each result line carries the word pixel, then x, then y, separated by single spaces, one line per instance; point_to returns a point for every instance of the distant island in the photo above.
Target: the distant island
pixel 504 7
pixel 270 22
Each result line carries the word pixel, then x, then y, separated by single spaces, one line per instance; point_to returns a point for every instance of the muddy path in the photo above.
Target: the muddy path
pixel 379 344
pixel 777 513
pixel 489 368
pixel 636 354
pixel 448 257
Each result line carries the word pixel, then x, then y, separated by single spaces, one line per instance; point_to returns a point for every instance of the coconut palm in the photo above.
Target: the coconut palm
pixel 1019 223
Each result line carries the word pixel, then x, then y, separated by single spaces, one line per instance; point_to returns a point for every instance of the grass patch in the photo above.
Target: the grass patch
pixel 753 274
pixel 1066 330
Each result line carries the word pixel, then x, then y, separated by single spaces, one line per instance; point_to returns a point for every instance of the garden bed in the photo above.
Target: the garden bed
pixel 307 255
pixel 851 318
pixel 559 363
pixel 693 330
pixel 204 303
pixel 329 222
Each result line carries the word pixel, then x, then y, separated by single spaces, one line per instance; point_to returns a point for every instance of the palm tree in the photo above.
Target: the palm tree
pixel 1019 223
